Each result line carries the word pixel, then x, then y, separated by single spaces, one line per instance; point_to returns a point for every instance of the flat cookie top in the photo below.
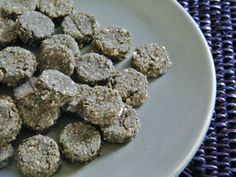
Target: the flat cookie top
pixel 124 128
pixel 61 39
pixel 131 85
pixel 39 25
pixel 93 68
pixel 56 8
pixel 113 42
pixel 38 155
pixel 17 64
pixel 151 59
pixel 103 107
pixel 18 7
pixel 80 142
pixel 81 26
pixel 56 81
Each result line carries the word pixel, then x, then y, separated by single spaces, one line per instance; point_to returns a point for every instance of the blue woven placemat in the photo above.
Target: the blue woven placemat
pixel 217 154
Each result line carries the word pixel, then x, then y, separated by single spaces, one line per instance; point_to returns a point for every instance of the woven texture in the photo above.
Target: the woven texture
pixel 217 154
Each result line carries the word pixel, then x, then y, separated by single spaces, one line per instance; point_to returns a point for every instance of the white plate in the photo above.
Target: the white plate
pixel 177 116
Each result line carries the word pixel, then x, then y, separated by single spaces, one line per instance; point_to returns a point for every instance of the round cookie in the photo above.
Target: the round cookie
pixel 6 154
pixel 61 40
pixel 151 59
pixel 59 58
pixel 56 9
pixel 10 121
pixel 80 26
pixel 94 69
pixel 33 27
pixel 131 85
pixel 8 33
pixel 38 156
pixel 103 107
pixel 124 129
pixel 16 65
pixel 60 86
pixel 114 42
pixel 39 118
pixel 73 106
pixel 37 108
pixel 80 142
pixel 18 7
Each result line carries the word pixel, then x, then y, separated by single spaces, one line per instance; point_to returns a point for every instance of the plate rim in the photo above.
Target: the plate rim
pixel 211 106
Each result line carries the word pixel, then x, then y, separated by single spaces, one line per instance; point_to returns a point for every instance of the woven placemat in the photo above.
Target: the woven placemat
pixel 217 154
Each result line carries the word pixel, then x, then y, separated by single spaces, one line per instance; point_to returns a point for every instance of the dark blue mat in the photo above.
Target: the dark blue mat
pixel 217 154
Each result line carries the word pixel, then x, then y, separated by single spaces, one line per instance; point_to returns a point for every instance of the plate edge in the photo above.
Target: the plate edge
pixel 200 139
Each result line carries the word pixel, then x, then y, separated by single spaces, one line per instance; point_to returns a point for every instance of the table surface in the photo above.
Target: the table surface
pixel 217 154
